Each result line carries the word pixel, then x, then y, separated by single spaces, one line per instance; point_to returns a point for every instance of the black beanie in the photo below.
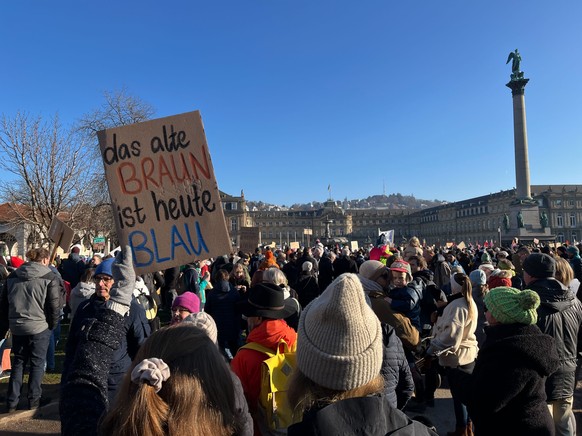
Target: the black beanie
pixel 539 265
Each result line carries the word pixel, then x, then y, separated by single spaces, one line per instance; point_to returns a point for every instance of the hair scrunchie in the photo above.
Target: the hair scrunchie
pixel 152 371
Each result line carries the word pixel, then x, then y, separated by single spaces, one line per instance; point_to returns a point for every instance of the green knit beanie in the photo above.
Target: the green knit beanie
pixel 510 305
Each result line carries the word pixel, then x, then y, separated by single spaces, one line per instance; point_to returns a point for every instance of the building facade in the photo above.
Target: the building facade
pixel 474 220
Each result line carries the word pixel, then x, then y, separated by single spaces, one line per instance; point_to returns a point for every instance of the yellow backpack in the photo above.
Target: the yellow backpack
pixel 275 372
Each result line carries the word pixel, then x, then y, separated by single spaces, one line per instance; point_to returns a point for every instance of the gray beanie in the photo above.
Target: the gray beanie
pixel 339 340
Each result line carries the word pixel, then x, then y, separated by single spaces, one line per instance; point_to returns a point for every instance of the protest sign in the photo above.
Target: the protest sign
pixel 385 237
pixel 61 234
pixel 164 195
pixel 294 245
pixel 249 239
pixel 354 245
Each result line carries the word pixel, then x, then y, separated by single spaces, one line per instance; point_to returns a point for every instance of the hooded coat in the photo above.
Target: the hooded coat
pixel 505 394
pixel 32 301
pixel 560 316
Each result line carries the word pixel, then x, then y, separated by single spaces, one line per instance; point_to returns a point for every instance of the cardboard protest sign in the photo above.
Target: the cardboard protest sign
pixel 294 245
pixel 249 239
pixel 61 234
pixel 354 245
pixel 164 194
pixel 461 245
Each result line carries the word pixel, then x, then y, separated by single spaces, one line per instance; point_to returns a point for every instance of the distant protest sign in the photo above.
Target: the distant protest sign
pixel 385 237
pixel 61 234
pixel 249 239
pixel 164 194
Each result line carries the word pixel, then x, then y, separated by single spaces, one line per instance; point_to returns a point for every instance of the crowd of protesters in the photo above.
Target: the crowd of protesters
pixel 374 331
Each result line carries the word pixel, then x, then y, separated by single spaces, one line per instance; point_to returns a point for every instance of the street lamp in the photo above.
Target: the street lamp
pixel 499 235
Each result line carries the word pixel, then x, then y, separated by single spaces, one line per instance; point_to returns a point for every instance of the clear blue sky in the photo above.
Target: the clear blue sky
pixel 297 95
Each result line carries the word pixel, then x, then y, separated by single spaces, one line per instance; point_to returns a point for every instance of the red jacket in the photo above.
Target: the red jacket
pixel 247 363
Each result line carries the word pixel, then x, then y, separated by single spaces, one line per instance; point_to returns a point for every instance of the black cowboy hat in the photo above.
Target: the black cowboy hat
pixel 267 300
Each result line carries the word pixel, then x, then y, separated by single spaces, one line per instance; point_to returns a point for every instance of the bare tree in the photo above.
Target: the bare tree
pixel 118 109
pixel 58 171
pixel 51 170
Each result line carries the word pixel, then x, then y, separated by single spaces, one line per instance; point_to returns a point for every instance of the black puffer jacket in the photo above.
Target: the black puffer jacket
pixel 363 416
pixel 398 382
pixel 560 316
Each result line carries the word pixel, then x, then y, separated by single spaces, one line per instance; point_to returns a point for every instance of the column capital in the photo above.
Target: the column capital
pixel 517 86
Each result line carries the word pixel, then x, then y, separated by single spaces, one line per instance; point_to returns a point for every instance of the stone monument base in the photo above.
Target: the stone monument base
pixel 532 229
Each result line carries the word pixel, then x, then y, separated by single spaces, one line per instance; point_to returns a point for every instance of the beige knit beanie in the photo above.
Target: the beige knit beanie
pixel 339 340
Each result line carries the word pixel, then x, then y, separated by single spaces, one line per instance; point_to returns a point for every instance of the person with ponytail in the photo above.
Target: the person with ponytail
pixel 455 343
pixel 177 384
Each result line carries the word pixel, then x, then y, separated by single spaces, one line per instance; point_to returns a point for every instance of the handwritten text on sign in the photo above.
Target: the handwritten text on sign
pixel 164 194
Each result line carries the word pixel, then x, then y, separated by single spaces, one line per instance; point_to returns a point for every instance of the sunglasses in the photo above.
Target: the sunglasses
pixel 105 279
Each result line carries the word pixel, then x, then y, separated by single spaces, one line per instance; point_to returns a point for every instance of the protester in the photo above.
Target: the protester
pixel 183 306
pixel 178 384
pixel 344 263
pixel 560 316
pixel 136 326
pixel 308 284
pixel 405 294
pixel 480 289
pixel 505 394
pixel 575 261
pixel 337 382
pixel 265 310
pixel 221 304
pixel 565 274
pixel 432 296
pixel 30 308
pixel 398 381
pixel 83 291
pixel 413 249
pixel 73 266
pixel 326 270
pixel 240 279
pixel 455 343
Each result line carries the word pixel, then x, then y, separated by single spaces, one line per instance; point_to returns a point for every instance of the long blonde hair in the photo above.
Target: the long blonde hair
pixel 305 394
pixel 197 399
pixel 564 272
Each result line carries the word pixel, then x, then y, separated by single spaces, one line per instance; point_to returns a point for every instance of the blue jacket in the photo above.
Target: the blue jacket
pixel 406 300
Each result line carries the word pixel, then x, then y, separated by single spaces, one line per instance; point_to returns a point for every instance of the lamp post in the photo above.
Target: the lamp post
pixel 499 235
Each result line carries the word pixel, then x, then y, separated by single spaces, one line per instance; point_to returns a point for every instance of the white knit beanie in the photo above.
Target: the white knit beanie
pixel 204 322
pixel 339 340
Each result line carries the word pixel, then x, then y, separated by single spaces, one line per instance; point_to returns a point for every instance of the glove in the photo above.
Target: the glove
pixel 124 275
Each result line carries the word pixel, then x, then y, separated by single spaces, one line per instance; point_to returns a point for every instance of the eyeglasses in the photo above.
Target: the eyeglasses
pixel 104 279
pixel 180 310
